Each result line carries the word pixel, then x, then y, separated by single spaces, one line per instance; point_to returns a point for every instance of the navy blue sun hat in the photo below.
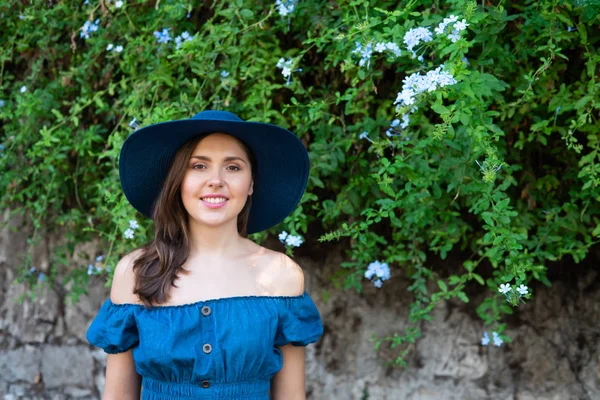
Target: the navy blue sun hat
pixel 282 164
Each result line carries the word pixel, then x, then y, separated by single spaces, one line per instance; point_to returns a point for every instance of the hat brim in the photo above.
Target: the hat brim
pixel 281 174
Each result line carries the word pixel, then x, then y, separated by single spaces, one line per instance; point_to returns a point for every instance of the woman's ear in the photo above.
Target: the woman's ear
pixel 251 190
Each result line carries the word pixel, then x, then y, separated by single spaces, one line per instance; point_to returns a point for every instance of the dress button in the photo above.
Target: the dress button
pixel 206 311
pixel 205 384
pixel 207 348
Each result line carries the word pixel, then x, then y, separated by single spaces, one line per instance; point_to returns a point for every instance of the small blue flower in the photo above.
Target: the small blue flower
pixel 497 340
pixel 504 288
pixel 522 290
pixel 282 236
pixel 32 270
pixel 224 74
pixel 90 269
pixel 485 340
pixel 285 7
pixel 379 270
pixel 89 27
pixel 184 37
pixel 292 240
pixel 134 124
pixel 41 277
pixel 23 89
pixel 2 103
pixel 100 258
pixel 128 233
pixel 163 36
pixel 133 224
pixel 364 52
pixel 286 68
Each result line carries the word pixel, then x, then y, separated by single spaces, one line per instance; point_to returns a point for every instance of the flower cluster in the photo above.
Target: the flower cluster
pixel 129 232
pixel 414 37
pixel 88 27
pixel 485 340
pixel 163 36
pixel 396 123
pixel 116 49
pixel 458 26
pixel 41 276
pixel 184 37
pixel 416 84
pixel 388 46
pixel 513 296
pixel 97 266
pixel 290 240
pixel 379 270
pixel 285 7
pixel 286 68
pixel 364 52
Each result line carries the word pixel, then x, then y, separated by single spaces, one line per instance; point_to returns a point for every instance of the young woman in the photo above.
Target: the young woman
pixel 202 312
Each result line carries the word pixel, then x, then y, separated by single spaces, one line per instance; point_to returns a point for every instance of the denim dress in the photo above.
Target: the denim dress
pixel 223 348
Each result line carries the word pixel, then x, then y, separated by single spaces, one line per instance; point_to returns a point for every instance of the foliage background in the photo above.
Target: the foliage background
pixel 499 170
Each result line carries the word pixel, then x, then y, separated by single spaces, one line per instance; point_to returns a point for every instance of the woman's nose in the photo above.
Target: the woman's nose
pixel 215 179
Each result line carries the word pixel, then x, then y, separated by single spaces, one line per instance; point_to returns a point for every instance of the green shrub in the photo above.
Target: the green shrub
pixel 498 163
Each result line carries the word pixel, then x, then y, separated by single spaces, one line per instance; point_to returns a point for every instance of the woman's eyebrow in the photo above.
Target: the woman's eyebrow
pixel 230 158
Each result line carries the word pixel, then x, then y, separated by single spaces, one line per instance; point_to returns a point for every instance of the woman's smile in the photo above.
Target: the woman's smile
pixel 212 202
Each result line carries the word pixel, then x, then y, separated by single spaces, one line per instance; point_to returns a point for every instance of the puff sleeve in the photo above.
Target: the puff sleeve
pixel 299 322
pixel 114 328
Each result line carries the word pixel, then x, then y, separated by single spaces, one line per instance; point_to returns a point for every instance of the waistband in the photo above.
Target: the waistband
pixel 153 389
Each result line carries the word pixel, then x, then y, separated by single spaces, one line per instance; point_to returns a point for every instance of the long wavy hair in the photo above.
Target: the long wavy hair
pixel 161 260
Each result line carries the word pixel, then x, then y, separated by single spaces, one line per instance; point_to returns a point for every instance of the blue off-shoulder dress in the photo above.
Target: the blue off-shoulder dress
pixel 223 348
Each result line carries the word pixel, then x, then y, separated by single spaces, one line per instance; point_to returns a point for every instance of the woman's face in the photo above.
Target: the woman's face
pixel 218 166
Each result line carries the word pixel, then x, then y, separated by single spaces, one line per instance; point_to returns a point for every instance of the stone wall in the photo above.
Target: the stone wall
pixel 554 354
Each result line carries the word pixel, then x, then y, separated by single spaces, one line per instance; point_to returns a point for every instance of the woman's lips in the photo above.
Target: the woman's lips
pixel 214 205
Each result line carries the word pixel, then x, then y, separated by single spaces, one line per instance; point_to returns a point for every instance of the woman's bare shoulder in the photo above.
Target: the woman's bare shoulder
pixel 287 276
pixel 124 280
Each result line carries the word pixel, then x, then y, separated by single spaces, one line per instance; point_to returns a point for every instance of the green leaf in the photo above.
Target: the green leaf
pixel 248 14
pixel 462 296
pixel 478 278
pixel 442 286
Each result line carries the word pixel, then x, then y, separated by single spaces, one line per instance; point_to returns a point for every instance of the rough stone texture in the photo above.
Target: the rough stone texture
pixel 554 354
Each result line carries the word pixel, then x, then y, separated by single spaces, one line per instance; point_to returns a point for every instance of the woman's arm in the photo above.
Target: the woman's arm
pixel 288 383
pixel 122 380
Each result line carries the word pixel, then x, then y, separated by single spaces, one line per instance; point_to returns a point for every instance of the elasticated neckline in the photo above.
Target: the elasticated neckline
pixel 209 301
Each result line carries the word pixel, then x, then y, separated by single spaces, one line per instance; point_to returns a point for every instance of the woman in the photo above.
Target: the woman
pixel 202 312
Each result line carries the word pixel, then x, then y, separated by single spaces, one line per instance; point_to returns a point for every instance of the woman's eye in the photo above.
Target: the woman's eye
pixel 235 167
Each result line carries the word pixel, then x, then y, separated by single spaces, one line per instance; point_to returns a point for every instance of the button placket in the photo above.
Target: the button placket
pixel 207 347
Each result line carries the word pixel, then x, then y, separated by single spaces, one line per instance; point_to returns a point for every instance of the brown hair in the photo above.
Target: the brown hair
pixel 162 258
